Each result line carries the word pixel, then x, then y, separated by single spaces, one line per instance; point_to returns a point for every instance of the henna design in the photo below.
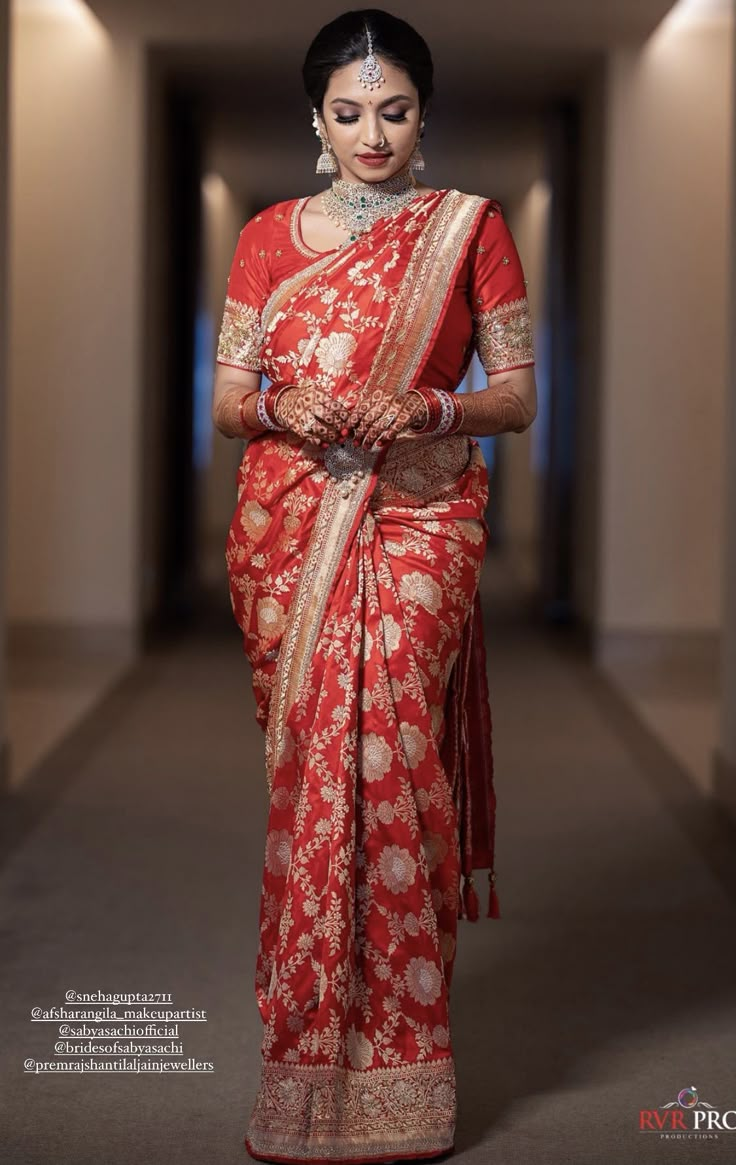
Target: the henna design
pixel 373 424
pixel 226 413
pixel 495 410
pixel 311 412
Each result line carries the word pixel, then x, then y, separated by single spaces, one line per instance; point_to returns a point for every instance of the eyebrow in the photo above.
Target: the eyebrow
pixel 386 101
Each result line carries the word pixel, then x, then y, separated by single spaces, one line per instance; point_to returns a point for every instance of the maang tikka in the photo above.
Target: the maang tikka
pixel 370 75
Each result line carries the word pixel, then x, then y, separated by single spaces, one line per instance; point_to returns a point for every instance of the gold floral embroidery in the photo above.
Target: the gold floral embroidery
pixel 503 336
pixel 241 337
pixel 335 1112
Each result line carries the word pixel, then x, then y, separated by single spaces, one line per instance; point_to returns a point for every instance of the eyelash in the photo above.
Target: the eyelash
pixel 388 116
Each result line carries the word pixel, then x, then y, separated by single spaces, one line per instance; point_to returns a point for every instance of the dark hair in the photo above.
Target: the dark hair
pixel 344 40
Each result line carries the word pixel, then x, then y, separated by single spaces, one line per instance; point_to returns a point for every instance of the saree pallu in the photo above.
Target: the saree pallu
pixel 358 607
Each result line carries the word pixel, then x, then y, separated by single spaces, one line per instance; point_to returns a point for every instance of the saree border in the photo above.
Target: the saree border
pixel 416 314
pixel 409 1110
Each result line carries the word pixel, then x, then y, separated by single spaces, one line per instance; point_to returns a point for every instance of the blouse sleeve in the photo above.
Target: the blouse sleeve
pixel 502 329
pixel 248 287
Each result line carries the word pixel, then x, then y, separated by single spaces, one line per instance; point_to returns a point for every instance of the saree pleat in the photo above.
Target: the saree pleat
pixel 356 610
pixel 359 901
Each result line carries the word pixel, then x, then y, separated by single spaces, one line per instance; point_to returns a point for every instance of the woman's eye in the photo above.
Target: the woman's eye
pixel 388 116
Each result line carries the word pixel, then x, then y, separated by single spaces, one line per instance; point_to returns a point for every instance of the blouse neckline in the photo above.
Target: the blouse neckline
pixel 295 225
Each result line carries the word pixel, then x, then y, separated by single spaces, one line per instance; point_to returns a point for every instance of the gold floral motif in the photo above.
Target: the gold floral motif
pixel 503 336
pixel 338 1112
pixel 241 337
pixel 416 473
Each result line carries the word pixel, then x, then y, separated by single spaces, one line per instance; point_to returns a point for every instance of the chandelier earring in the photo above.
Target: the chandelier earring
pixel 416 161
pixel 326 162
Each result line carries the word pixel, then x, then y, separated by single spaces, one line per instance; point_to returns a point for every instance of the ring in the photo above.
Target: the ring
pixel 391 417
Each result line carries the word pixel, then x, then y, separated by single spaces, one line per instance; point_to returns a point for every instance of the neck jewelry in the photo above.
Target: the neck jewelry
pixel 357 205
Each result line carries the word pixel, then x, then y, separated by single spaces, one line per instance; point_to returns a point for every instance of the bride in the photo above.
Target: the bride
pixel 353 560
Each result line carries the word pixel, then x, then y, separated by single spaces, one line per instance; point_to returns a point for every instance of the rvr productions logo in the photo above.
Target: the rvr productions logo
pixel 687 1114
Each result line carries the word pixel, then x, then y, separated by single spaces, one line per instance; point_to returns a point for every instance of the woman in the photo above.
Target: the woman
pixel 353 560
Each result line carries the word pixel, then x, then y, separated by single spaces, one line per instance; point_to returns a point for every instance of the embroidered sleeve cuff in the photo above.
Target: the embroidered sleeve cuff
pixel 503 336
pixel 241 337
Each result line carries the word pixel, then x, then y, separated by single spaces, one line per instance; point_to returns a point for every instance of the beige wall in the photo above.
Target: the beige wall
pixel 586 563
pixel 725 758
pixel 74 344
pixel 664 331
pixel 529 223
pixel 4 60
pixel 223 219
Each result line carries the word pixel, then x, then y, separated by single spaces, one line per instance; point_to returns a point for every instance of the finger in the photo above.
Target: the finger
pixel 388 423
pixel 364 427
pixel 370 416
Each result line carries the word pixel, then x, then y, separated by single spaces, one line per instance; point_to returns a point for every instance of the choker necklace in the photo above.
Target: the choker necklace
pixel 357 205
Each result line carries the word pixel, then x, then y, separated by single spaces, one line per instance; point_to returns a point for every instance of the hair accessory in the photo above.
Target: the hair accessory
pixel 369 74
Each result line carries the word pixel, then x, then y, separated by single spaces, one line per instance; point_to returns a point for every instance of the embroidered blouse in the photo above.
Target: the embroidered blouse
pixel 488 310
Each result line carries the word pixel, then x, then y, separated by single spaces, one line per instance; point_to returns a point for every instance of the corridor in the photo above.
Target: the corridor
pixel 132 860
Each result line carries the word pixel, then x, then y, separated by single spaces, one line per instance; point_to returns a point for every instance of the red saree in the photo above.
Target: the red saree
pixel 360 618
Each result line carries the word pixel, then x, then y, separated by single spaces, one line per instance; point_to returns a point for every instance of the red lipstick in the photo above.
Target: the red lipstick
pixel 373 159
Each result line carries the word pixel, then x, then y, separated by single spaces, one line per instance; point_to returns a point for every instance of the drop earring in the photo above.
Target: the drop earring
pixel 326 162
pixel 416 161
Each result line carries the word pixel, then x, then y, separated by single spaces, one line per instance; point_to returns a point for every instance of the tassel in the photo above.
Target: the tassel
pixel 459 904
pixel 493 907
pixel 471 899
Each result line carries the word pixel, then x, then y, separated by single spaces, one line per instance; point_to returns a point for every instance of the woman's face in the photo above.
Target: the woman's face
pixel 354 119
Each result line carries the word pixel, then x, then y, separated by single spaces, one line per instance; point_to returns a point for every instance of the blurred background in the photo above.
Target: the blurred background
pixel 139 137
pixel 136 138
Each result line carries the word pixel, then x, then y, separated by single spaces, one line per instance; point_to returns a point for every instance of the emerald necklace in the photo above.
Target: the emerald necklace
pixel 356 205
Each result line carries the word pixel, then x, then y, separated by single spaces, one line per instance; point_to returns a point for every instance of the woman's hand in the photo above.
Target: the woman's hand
pixel 310 411
pixel 382 422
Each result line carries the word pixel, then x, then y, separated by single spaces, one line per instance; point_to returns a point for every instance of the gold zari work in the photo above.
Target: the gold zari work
pixel 503 336
pixel 241 337
pixel 304 1111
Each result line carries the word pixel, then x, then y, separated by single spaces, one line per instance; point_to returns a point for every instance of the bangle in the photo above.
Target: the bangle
pixel 266 404
pixel 241 402
pixel 445 411
pixel 420 426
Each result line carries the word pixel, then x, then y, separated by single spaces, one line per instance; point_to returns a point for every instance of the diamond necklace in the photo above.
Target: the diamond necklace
pixel 356 205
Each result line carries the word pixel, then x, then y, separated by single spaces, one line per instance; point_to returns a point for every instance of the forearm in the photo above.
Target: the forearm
pixel 496 409
pixel 227 416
